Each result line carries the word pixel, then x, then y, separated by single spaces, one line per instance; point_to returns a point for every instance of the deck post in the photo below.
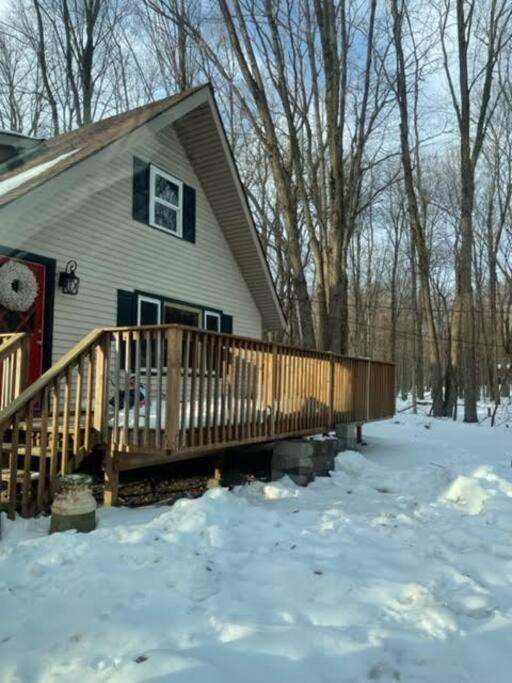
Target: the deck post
pixel 273 391
pixel 368 390
pixel 331 390
pixel 219 467
pixel 100 390
pixel 111 467
pixel 21 364
pixel 359 434
pixel 172 408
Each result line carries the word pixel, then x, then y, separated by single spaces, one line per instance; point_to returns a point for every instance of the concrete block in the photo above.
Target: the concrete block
pixel 324 454
pixel 295 459
pixel 303 459
pixel 347 436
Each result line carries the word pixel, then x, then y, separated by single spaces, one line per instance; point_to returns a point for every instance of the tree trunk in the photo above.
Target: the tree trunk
pixel 467 322
pixel 414 218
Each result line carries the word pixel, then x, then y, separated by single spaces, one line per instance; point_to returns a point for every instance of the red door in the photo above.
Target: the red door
pixel 30 320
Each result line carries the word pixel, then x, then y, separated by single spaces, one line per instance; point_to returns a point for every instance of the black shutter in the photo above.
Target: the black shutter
pixel 126 308
pixel 226 324
pixel 126 316
pixel 140 207
pixel 189 213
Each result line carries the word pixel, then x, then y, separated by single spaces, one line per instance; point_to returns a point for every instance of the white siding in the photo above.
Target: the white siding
pixel 86 214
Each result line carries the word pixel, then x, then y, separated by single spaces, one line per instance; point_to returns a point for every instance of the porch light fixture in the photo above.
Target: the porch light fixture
pixel 69 281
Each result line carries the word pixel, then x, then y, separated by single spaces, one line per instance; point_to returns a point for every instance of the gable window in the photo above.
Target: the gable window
pixel 165 202
pixel 212 321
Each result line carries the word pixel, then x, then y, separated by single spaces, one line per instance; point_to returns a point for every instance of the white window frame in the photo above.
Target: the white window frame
pixel 182 307
pixel 149 300
pixel 153 199
pixel 212 314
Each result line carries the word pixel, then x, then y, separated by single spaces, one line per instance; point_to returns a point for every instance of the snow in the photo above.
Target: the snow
pixel 398 567
pixel 21 178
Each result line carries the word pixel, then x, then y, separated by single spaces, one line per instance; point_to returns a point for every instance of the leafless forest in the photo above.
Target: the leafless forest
pixel 374 138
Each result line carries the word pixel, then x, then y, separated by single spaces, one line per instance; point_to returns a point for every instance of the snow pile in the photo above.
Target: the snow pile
pixel 467 493
pixel 280 489
pixel 397 568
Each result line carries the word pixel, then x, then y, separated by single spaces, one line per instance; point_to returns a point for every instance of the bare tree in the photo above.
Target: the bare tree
pixel 416 219
pixel 314 122
pixel 86 63
pixel 43 64
pixel 174 52
pixel 483 30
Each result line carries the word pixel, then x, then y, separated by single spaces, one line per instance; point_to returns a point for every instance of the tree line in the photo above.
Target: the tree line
pixel 374 138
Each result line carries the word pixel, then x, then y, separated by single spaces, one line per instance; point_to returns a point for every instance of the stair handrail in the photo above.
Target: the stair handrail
pixel 45 380
pixel 14 349
pixel 14 340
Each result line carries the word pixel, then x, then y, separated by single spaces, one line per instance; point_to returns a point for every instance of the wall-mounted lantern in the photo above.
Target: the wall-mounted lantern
pixel 69 281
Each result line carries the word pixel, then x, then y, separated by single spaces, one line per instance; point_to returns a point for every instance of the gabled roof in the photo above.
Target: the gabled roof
pixel 202 134
pixel 55 155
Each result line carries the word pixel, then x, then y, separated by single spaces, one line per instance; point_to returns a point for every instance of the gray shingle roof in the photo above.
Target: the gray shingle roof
pixel 63 151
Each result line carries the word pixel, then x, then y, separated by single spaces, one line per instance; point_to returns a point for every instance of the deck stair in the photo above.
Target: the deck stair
pixel 159 394
pixel 30 469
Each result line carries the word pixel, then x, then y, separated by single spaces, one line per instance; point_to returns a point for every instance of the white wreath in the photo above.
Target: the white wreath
pixel 18 286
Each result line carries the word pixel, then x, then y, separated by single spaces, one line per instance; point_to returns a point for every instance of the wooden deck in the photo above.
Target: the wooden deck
pixel 151 395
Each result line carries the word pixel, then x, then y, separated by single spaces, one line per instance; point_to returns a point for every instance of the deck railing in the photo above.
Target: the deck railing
pixel 13 366
pixel 164 393
pixel 192 390
pixel 51 426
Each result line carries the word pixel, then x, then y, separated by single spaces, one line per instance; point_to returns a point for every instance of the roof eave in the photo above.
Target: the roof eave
pixel 277 321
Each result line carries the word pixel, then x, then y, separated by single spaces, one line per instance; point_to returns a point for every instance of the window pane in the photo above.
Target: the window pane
pixel 149 313
pixel 180 316
pixel 167 190
pixel 165 217
pixel 212 322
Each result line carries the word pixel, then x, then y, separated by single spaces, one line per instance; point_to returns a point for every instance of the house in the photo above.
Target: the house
pixel 125 246
pixel 138 219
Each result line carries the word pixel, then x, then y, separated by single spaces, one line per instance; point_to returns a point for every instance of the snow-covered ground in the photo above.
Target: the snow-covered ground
pixel 397 568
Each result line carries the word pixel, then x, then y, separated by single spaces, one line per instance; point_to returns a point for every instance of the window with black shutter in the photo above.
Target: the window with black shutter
pixel 163 201
pixel 137 308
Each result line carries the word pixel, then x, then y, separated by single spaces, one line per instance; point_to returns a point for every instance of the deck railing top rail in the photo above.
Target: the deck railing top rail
pixel 9 340
pixel 45 380
pixel 278 345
